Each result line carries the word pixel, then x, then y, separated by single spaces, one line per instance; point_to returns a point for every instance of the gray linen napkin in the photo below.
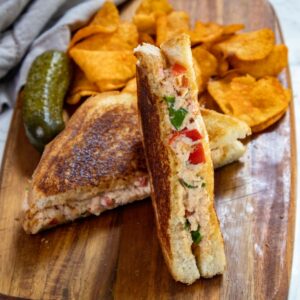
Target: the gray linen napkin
pixel 22 33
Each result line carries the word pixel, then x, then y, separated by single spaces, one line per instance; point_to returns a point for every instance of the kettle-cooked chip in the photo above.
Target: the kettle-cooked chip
pixel 124 38
pixel 205 32
pixel 146 38
pixel 271 65
pixel 222 63
pixel 130 87
pixel 207 64
pixel 152 6
pixel 232 28
pixel 223 66
pixel 248 46
pixel 109 70
pixel 207 101
pixel 209 33
pixel 253 101
pixel 199 80
pixel 106 59
pixel 170 25
pixel 268 123
pixel 148 12
pixel 105 21
pixel 145 23
pixel 81 87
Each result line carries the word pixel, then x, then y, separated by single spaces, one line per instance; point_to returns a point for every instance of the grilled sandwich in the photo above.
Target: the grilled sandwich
pixel 179 160
pixel 95 164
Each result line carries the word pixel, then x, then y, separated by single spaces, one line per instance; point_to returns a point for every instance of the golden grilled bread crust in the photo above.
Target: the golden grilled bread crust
pixel 86 154
pixel 157 156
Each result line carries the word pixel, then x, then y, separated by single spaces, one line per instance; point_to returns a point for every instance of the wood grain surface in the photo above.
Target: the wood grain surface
pixel 117 255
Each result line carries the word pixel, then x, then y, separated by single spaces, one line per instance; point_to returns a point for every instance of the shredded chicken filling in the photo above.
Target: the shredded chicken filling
pixel 186 143
pixel 95 205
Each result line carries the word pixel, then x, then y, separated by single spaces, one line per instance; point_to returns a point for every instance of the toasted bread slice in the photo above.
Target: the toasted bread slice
pixel 86 169
pixel 224 134
pixel 161 95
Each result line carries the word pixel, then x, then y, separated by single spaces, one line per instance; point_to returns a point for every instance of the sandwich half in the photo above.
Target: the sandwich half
pixel 225 133
pixel 179 161
pixel 96 163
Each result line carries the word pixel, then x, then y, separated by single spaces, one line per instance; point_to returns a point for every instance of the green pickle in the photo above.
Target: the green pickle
pixel 47 84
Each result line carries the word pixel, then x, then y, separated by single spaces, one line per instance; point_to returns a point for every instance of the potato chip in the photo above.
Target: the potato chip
pixel 207 101
pixel 253 101
pixel 168 26
pixel 248 46
pixel 148 12
pixel 271 65
pixel 76 97
pixel 222 62
pixel 145 23
pixel 205 32
pixel 105 21
pixel 124 38
pixel 130 87
pixel 232 28
pixel 208 34
pixel 81 87
pixel 146 38
pixel 153 6
pixel 199 80
pixel 207 64
pixel 268 123
pixel 107 16
pixel 109 70
pixel 223 66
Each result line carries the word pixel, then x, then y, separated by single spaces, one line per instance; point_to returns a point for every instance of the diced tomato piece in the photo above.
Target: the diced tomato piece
pixel 178 69
pixel 192 134
pixel 198 155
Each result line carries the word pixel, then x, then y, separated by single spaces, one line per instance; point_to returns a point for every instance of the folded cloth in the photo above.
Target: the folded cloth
pixel 9 11
pixel 14 43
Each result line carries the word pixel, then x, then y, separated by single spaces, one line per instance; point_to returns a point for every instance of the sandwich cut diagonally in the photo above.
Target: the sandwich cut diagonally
pixel 96 163
pixel 179 161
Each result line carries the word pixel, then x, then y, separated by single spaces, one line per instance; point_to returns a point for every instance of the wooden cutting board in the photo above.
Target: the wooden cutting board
pixel 117 255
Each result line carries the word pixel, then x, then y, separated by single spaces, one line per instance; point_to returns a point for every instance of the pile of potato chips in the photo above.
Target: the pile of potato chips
pixel 236 72
pixel 103 52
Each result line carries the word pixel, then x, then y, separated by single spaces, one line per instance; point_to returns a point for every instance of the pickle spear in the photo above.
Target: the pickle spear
pixel 47 84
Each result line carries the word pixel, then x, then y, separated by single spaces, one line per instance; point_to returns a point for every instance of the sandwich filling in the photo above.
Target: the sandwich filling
pixel 185 140
pixel 38 218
